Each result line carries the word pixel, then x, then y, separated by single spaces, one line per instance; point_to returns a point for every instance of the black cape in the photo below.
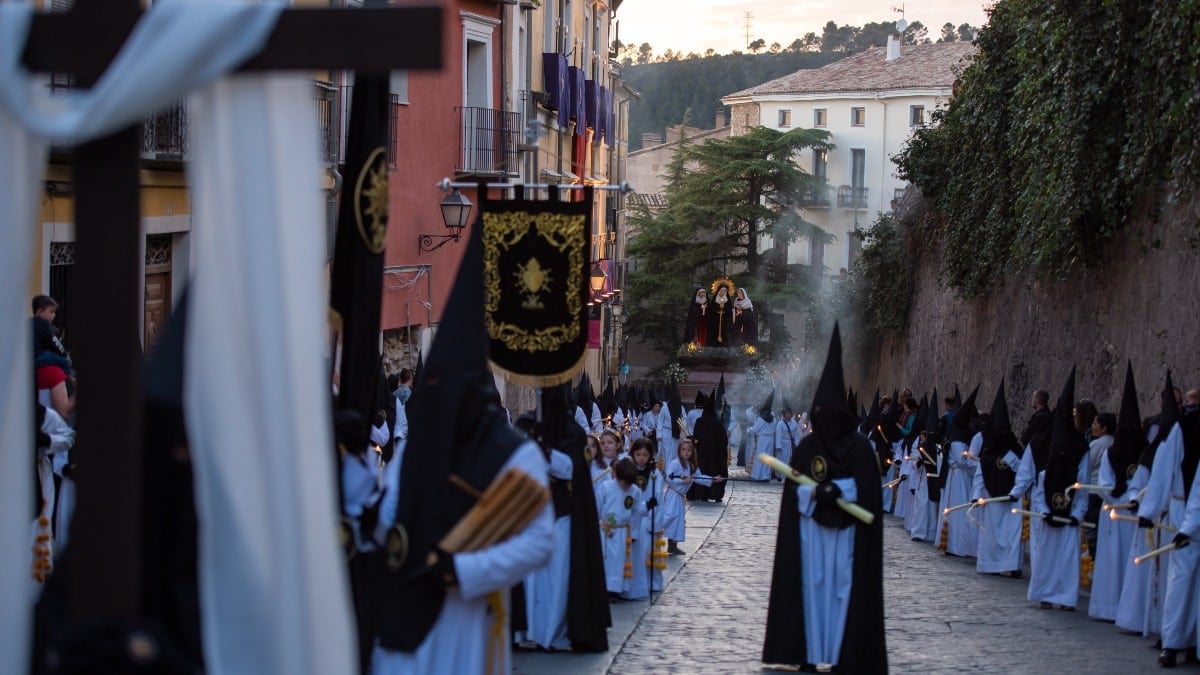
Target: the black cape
pixel 863 648
pixel 712 453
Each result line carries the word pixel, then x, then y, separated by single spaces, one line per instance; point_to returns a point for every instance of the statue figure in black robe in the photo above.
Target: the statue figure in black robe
pixel 696 328
pixel 745 321
pixel 720 318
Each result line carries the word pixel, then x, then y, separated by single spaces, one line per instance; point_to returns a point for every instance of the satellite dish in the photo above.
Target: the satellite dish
pixel 901 26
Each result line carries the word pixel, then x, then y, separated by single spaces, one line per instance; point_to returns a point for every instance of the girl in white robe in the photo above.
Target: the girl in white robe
pixel 648 558
pixel 621 507
pixel 681 474
pixel 1114 538
pixel 601 463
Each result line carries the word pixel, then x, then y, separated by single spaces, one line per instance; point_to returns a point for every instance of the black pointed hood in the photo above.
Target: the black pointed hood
pixel 960 424
pixel 675 410
pixel 830 418
pixel 1000 422
pixel 957 397
pixel 710 406
pixel 922 414
pixel 1067 448
pixel 764 410
pixel 1167 417
pixel 1129 439
pixel 998 441
pixel 455 428
pixel 699 400
pixel 608 399
pixel 721 391
pixel 873 415
pixel 932 418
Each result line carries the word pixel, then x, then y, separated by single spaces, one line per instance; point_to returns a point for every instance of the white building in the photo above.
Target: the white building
pixel 869 103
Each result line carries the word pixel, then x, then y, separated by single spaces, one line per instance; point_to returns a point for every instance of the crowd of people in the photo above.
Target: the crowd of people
pixel 1097 499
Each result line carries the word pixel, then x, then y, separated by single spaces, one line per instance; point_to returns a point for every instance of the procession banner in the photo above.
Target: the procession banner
pixel 536 287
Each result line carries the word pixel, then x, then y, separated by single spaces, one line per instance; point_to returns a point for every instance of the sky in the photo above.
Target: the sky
pixel 696 25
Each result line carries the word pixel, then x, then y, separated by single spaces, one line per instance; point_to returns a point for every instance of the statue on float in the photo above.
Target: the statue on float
pixel 726 319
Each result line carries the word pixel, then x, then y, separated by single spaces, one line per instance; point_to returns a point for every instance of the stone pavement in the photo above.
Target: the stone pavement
pixel 942 617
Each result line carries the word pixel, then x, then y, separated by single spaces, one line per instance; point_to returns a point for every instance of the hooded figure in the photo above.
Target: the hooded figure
pixel 826 604
pixel 763 430
pixel 696 328
pixel 720 318
pixel 694 413
pixel 745 321
pixel 921 519
pixel 712 453
pixel 1054 538
pixel 958 533
pixel 432 607
pixel 1000 549
pixel 1139 608
pixel 668 425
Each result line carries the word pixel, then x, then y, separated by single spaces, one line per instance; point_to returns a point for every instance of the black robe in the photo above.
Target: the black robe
pixel 696 328
pixel 720 324
pixel 864 648
pixel 588 616
pixel 712 455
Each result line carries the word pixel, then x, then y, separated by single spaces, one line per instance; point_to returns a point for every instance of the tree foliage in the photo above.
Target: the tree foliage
pixel 1069 115
pixel 881 281
pixel 724 197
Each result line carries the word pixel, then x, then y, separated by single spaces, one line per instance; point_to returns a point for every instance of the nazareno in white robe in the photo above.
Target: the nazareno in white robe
pixel 668 445
pixel 963 537
pixel 1053 551
pixel 1000 548
pixel 904 497
pixel 1140 607
pixel 922 515
pixel 1113 541
pixel 546 588
pixel 827 571
pixel 458 641
pixel 624 521
pixel 674 506
pixel 764 434
pixel 1191 527
pixel 1164 499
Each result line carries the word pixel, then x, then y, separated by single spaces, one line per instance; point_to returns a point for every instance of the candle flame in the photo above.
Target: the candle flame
pixel 1112 515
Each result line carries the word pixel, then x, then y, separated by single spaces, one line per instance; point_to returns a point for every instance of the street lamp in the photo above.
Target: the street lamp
pixel 598 280
pixel 456 211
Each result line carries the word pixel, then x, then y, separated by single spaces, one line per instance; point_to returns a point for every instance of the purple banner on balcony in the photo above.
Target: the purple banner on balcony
pixel 578 94
pixel 558 91
pixel 591 103
pixel 610 116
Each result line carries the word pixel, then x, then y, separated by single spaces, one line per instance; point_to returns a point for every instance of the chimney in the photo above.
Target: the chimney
pixel 720 123
pixel 893 48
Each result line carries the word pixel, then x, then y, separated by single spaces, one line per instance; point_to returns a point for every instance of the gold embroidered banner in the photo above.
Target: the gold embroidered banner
pixel 536 286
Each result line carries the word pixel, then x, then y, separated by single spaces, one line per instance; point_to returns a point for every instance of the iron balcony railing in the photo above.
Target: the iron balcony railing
pixel 347 91
pixel 815 199
pixel 165 134
pixel 488 142
pixel 851 197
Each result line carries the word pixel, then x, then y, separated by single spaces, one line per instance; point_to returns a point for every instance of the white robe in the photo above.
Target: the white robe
pixel 459 640
pixel 1000 548
pixel 646 533
pixel 1191 527
pixel 891 471
pixel 826 574
pixel 1054 551
pixel 921 519
pixel 764 434
pixel 668 445
pixel 1113 540
pixel 1139 608
pixel 787 435
pixel 546 588
pixel 690 419
pixel 1164 499
pixel 903 494
pixel 624 521
pixel 963 539
pixel 674 506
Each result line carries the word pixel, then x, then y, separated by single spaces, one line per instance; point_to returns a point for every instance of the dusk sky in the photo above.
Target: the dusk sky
pixel 695 25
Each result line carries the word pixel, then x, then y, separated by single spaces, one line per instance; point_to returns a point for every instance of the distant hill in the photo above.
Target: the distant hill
pixel 670 88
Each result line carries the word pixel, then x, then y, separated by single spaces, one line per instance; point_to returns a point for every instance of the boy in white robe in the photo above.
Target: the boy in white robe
pixel 645 553
pixel 787 434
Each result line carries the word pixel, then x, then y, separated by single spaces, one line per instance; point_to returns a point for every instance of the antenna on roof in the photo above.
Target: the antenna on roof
pixel 748 17
pixel 902 24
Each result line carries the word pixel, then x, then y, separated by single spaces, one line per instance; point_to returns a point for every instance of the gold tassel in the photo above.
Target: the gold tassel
pixel 495 658
pixel 944 538
pixel 1025 521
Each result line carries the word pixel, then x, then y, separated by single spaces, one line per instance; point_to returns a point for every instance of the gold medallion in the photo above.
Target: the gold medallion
pixel 641 481
pixel 1059 501
pixel 629 502
pixel 396 547
pixel 1001 464
pixel 371 201
pixel 819 469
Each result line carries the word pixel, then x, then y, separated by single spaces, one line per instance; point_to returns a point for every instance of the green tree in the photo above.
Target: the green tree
pixel 645 53
pixel 967 32
pixel 949 33
pixel 915 34
pixel 757 46
pixel 724 198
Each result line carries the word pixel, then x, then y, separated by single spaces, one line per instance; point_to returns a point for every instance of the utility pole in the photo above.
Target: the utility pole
pixel 748 17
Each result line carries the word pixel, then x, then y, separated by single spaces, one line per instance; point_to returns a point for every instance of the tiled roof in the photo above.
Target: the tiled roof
pixel 919 67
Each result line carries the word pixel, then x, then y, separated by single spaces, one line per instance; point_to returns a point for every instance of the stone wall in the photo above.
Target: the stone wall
pixel 1143 305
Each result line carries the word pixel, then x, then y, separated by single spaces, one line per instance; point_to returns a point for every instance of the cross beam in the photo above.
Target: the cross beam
pixel 107 527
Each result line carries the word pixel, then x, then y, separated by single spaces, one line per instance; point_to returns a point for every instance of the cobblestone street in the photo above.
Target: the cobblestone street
pixel 942 617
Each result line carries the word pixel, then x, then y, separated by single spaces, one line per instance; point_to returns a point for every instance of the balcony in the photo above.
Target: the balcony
pixel 347 94
pixel 488 142
pixel 814 199
pixel 165 134
pixel 851 197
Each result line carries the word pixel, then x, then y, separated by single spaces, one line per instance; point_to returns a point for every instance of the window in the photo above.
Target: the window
pixel 785 118
pixel 916 115
pixel 399 86
pixel 858 117
pixel 820 118
pixel 820 163
pixel 858 168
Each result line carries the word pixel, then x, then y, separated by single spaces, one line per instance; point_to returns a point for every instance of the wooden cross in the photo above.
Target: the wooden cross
pixel 106 530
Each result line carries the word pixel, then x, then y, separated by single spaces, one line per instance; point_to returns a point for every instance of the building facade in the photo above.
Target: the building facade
pixel 870 103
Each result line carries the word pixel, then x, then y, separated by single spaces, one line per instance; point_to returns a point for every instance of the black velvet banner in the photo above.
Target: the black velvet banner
pixel 536 287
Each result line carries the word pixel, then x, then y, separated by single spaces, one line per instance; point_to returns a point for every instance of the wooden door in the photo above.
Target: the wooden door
pixel 158 304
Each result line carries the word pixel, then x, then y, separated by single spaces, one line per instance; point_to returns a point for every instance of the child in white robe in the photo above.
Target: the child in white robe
pixel 621 507
pixel 648 559
pixel 680 475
